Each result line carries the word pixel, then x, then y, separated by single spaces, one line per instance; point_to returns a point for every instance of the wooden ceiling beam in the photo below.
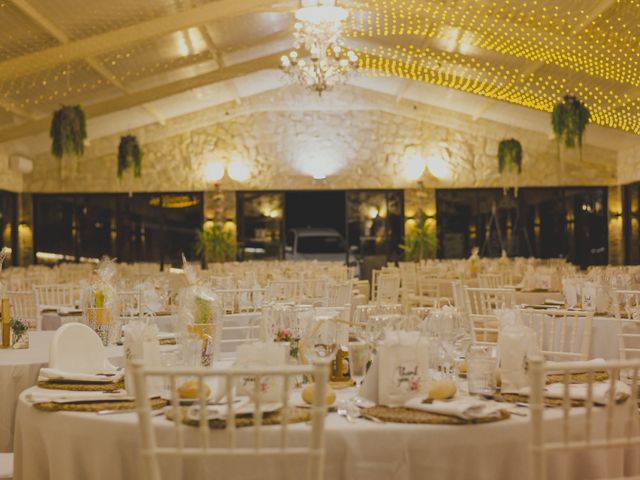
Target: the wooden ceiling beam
pixel 136 99
pixel 107 42
pixel 95 64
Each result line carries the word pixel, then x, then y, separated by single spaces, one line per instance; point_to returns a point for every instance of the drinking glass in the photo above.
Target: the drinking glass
pixel 481 370
pixel 359 356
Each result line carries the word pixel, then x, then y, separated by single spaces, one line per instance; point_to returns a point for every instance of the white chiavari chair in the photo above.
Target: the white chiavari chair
pixel 314 291
pixel 606 425
pixel 55 296
pixel 282 291
pixel 490 280
pixel 428 291
pixel 481 304
pixel 561 334
pixel 387 289
pixel 241 300
pixel 202 448
pixel 626 303
pixel 23 306
pixel 340 294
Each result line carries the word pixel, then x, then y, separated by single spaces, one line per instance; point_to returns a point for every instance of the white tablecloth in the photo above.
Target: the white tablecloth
pixel 85 446
pixel 18 371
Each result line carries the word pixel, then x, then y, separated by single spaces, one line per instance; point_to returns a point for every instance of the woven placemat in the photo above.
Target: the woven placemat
pixel 95 406
pixel 549 402
pixel 82 386
pixel 296 415
pixel 577 377
pixel 406 415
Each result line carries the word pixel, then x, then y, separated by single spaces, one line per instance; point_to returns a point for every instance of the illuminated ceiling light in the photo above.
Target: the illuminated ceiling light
pixel 239 170
pixel 320 60
pixel 214 171
pixel 318 12
pixel 413 164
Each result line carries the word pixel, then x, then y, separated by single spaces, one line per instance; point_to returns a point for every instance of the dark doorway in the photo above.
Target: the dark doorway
pixel 315 209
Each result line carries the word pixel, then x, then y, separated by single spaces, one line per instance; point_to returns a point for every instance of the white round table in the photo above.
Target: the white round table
pixel 19 371
pixel 86 446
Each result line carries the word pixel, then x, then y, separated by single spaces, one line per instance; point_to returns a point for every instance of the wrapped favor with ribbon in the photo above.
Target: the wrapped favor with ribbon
pixel 200 312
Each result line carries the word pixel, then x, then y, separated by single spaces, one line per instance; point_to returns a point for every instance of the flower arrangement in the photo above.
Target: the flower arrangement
pixel 20 330
pixel 287 335
pixel 18 327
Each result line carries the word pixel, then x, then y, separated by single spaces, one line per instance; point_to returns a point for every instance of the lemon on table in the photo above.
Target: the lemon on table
pixel 309 391
pixel 189 389
pixel 442 389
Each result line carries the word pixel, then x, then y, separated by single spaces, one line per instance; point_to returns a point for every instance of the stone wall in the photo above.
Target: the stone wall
pixel 358 139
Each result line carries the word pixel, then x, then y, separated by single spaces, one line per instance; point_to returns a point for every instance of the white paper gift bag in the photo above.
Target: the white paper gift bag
pixel 570 292
pixel 141 343
pixel 266 354
pixel 596 296
pixel 403 367
pixel 516 343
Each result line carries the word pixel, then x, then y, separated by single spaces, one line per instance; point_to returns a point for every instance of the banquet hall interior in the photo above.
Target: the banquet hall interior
pixel 319 239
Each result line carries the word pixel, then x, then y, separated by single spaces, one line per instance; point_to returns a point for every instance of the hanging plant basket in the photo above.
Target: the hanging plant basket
pixel 569 119
pixel 509 155
pixel 68 131
pixel 510 164
pixel 129 154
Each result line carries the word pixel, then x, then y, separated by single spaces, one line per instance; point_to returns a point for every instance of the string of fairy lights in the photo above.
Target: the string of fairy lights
pixel 527 52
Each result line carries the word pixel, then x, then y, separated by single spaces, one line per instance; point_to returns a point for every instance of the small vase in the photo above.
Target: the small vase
pixel 20 340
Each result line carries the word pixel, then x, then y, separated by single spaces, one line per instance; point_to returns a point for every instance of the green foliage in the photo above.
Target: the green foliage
pixel 569 120
pixel 19 327
pixel 216 244
pixel 509 153
pixel 420 243
pixel 129 153
pixel 68 131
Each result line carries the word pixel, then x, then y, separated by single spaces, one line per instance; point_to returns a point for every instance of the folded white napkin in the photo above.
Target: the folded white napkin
pixel 466 408
pixel 110 376
pixel 41 395
pixel 579 391
pixel 600 392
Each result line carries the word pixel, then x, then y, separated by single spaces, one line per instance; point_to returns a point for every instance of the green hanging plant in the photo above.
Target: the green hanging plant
pixel 509 154
pixel 68 131
pixel 569 119
pixel 129 153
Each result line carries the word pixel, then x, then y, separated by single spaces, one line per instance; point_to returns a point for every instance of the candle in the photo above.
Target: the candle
pixel 6 319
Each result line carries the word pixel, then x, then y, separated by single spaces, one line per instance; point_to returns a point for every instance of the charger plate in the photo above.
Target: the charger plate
pixel 95 406
pixel 296 415
pixel 407 415
pixel 82 386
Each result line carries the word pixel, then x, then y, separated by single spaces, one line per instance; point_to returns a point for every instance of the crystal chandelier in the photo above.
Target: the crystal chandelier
pixel 320 59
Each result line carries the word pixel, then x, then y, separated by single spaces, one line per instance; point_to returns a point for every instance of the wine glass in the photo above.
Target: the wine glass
pixel 321 339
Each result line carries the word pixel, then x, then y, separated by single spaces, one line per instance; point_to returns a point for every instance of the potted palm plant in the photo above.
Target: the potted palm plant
pixel 420 242
pixel 216 244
